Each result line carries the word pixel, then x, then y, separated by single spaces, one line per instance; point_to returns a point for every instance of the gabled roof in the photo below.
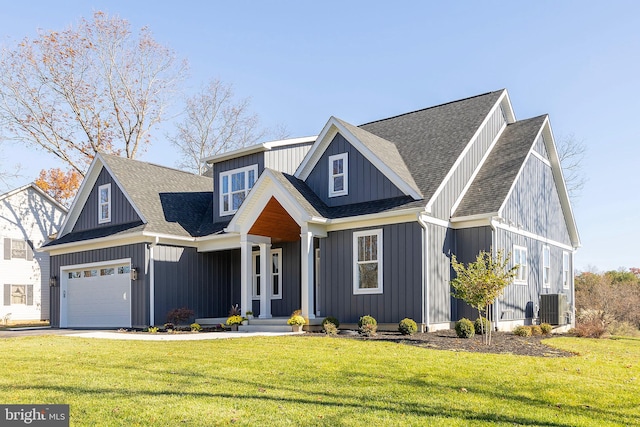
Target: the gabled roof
pixel 168 201
pixel 38 190
pixel 491 186
pixel 431 140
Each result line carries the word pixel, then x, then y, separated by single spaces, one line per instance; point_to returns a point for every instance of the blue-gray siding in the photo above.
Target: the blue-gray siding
pixel 402 270
pixel 440 244
pixel 227 165
pixel 121 210
pixel 287 158
pixel 365 182
pixel 540 147
pixel 139 289
pixel 470 162
pixel 201 281
pixel 534 204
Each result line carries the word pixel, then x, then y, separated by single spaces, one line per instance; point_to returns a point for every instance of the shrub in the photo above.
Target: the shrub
pixel 536 330
pixel 331 319
pixel 593 323
pixel 234 320
pixel 330 328
pixel 234 311
pixel 522 331
pixel 296 320
pixel 546 329
pixel 465 328
pixel 169 326
pixel 195 327
pixel 153 329
pixel 367 326
pixel 179 315
pixel 407 326
pixel 480 323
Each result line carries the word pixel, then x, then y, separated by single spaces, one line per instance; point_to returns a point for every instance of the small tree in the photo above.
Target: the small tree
pixel 480 282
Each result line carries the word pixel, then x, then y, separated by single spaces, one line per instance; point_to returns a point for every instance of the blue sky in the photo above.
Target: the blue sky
pixel 301 62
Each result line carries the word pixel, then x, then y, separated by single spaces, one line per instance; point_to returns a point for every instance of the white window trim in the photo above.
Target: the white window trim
pixel 525 270
pixel 26 296
pixel 546 268
pixel 254 276
pixel 26 249
pixel 229 173
pixel 566 277
pixel 345 174
pixel 356 272
pixel 108 203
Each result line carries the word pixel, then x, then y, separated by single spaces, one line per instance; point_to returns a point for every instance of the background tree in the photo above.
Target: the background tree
pixel 60 185
pixel 215 122
pixel 480 282
pixel 93 87
pixel 572 153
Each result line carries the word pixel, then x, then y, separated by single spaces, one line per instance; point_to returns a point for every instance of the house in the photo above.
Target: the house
pixel 357 220
pixel 28 216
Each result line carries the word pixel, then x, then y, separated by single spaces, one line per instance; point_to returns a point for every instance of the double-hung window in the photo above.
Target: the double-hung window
pixel 276 275
pixel 339 175
pixel 565 270
pixel 17 249
pixel 520 259
pixel 104 203
pixel 18 294
pixel 234 187
pixel 367 262
pixel 546 267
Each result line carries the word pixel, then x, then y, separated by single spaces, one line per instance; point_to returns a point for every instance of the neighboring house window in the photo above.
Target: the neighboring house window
pixel 367 262
pixel 565 270
pixel 17 249
pixel 234 187
pixel 520 258
pixel 18 294
pixel 339 175
pixel 104 203
pixel 546 267
pixel 276 275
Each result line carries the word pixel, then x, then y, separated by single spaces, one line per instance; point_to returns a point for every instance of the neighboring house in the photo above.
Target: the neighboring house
pixel 358 220
pixel 28 216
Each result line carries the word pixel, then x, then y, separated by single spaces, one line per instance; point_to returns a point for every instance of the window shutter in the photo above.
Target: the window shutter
pixel 29 250
pixel 29 294
pixel 7 248
pixel 7 294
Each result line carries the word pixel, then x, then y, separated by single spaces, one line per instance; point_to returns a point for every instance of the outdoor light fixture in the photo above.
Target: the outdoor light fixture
pixel 53 280
pixel 134 273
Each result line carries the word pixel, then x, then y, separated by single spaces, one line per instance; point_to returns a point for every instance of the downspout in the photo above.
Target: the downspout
pixel 152 282
pixel 494 237
pixel 425 273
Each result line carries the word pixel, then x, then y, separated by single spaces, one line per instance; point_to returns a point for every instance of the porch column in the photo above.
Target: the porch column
pixel 307 274
pixel 245 274
pixel 265 280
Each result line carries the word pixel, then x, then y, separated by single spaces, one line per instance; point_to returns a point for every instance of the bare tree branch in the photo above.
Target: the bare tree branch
pixel 572 153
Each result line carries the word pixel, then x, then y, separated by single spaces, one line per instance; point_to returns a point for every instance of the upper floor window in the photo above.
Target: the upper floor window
pixel 104 203
pixel 339 175
pixel 234 187
pixel 367 262
pixel 520 258
pixel 546 267
pixel 565 270
pixel 17 249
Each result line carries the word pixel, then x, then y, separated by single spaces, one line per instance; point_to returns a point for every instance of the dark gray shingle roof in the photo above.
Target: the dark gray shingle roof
pixel 491 186
pixel 431 140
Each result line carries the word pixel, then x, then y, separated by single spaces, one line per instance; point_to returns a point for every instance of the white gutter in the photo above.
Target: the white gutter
pixel 152 282
pixel 494 237
pixel 425 273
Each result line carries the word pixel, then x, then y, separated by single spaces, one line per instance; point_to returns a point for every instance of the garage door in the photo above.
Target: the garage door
pixel 99 297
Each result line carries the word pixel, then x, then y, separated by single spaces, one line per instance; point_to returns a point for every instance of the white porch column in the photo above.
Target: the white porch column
pixel 245 274
pixel 265 280
pixel 307 273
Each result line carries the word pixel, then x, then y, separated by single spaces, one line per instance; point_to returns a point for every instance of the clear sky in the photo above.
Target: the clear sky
pixel 302 62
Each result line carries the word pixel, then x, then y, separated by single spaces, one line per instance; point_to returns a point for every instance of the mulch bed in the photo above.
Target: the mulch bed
pixel 501 343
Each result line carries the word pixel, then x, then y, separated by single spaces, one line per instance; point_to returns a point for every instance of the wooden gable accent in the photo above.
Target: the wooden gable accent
pixel 275 222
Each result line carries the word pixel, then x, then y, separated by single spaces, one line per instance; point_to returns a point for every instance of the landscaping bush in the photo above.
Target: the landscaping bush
pixel 367 326
pixel 465 328
pixel 169 327
pixel 330 329
pixel 407 326
pixel 195 327
pixel 536 330
pixel 593 323
pixel 179 315
pixel 478 325
pixel 331 319
pixel 522 331
pixel 546 329
pixel 234 320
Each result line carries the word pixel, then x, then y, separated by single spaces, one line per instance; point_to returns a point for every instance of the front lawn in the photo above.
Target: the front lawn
pixel 306 381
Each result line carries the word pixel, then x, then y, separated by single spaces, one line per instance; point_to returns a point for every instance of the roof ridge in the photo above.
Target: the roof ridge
pixel 429 108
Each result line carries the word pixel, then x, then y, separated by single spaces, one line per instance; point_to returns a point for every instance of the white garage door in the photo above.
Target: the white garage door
pixel 99 297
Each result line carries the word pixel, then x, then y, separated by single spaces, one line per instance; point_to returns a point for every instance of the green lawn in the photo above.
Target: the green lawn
pixel 303 381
